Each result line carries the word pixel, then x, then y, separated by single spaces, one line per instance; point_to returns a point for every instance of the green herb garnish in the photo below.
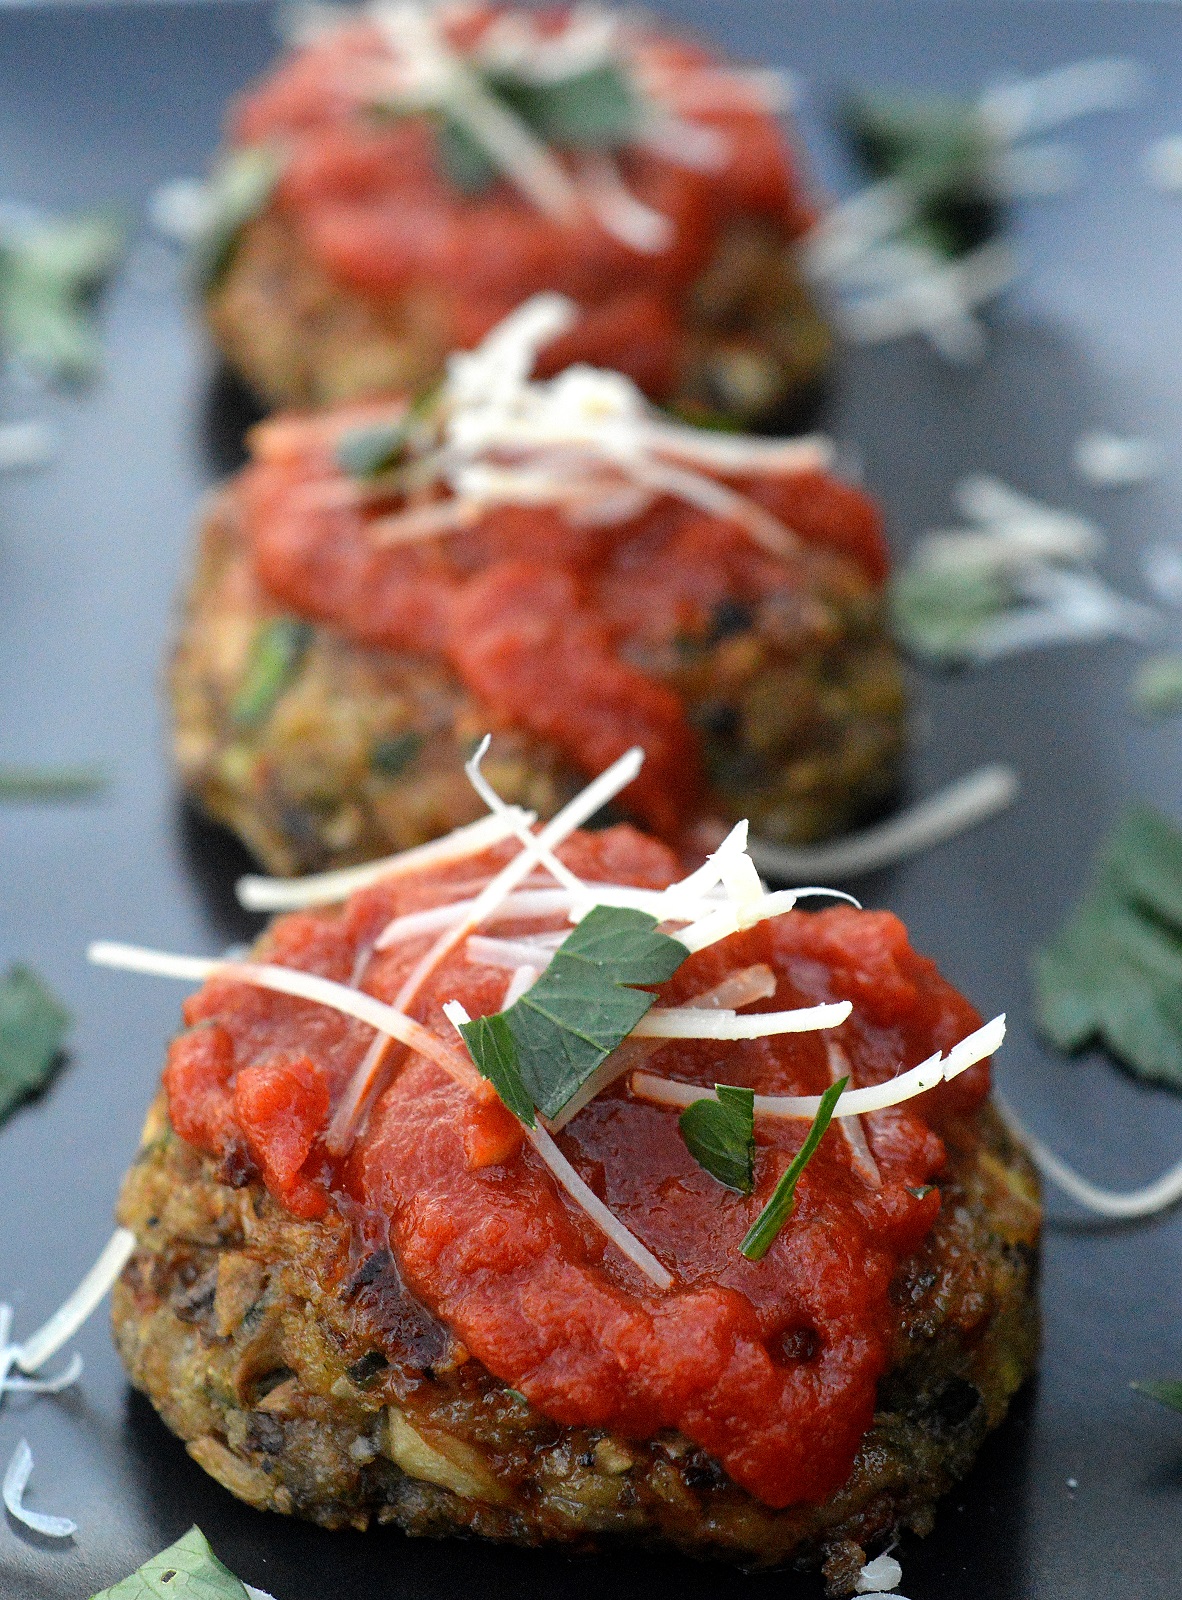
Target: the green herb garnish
pixel 1114 972
pixel 541 1051
pixel 275 660
pixel 237 192
pixel 187 1570
pixel 720 1135
pixel 391 757
pixel 783 1201
pixel 943 154
pixel 591 110
pixel 1157 687
pixel 1168 1392
pixel 368 452
pixel 51 783
pixel 33 1026
pixel 938 611
pixel 50 275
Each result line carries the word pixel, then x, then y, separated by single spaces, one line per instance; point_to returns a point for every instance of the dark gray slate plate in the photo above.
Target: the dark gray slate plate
pixel 110 101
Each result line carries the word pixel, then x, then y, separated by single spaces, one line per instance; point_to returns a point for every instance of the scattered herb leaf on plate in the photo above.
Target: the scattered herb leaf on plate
pixel 1114 971
pixel 579 1010
pixel 33 1026
pixel 1157 687
pixel 50 273
pixel 187 1570
pixel 1169 1392
pixel 720 1135
pixel 762 1232
pixel 367 452
pixel 51 783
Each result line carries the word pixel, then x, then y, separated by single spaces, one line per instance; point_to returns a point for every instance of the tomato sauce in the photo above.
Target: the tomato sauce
pixel 553 626
pixel 367 201
pixel 770 1366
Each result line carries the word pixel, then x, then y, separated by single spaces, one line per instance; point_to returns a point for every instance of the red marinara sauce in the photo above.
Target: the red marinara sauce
pixel 494 1248
pixel 368 202
pixel 550 625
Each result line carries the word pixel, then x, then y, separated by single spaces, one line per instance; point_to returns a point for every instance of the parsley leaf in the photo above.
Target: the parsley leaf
pixel 33 1025
pixel 390 758
pixel 1157 687
pixel 578 1011
pixel 1114 972
pixel 466 164
pixel 942 152
pixel 368 452
pixel 1169 1393
pixel 591 110
pixel 720 1135
pixel 275 659
pixel 50 273
pixel 51 783
pixel 187 1570
pixel 237 192
pixel 780 1207
pixel 492 1046
pixel 939 611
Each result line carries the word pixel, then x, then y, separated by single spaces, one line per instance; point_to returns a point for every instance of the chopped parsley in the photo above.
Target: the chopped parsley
pixel 762 1232
pixel 237 192
pixel 541 1051
pixel 33 1026
pixel 391 757
pixel 1114 971
pixel 941 151
pixel 595 109
pixel 1157 687
pixel 720 1135
pixel 275 659
pixel 368 452
pixel 187 1570
pixel 1167 1392
pixel 51 272
pixel 51 783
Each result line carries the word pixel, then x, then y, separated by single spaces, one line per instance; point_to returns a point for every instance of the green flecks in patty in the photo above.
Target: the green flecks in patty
pixel 390 758
pixel 275 658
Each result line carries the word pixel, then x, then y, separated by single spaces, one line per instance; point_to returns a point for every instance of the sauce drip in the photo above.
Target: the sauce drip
pixel 769 1366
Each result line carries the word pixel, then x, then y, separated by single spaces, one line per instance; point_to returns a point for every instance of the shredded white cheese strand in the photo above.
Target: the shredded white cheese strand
pixel 690 1022
pixel 328 888
pixel 936 1069
pixel 16 1480
pixel 69 1317
pixel 581 1193
pixel 1124 1205
pixel 300 985
pixel 851 1127
pixel 965 804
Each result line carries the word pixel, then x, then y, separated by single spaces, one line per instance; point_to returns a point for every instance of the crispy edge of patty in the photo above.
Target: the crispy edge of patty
pixel 755 346
pixel 800 712
pixel 307 1380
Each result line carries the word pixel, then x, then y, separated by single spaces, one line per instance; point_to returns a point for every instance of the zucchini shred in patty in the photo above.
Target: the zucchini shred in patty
pixel 308 1380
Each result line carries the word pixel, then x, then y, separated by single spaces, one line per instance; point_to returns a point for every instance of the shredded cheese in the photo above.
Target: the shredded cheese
pixel 689 1022
pixel 329 888
pixel 936 1069
pixel 69 1317
pixel 967 803
pixel 16 1480
pixel 1120 1205
pixel 582 1194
